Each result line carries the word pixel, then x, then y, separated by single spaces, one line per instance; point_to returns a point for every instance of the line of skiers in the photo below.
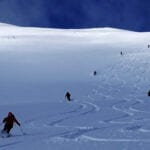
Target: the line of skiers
pixel 11 119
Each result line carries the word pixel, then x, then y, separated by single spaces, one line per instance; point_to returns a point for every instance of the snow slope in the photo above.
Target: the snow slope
pixel 108 111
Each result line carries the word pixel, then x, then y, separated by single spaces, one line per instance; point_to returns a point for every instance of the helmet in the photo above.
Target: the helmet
pixel 10 114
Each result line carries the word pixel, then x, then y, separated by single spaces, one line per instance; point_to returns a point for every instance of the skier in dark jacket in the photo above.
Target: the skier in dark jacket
pixel 94 73
pixel 148 93
pixel 9 121
pixel 68 95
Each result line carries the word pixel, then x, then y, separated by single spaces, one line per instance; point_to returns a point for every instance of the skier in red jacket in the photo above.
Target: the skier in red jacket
pixel 9 121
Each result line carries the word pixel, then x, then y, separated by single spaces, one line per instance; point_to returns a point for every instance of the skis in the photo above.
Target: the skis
pixel 4 134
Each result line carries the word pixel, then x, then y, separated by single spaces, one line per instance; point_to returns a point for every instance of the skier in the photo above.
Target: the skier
pixel 121 53
pixel 68 95
pixel 9 121
pixel 94 73
pixel 148 93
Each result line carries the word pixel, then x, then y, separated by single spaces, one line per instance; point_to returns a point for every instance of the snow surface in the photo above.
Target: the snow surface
pixel 109 111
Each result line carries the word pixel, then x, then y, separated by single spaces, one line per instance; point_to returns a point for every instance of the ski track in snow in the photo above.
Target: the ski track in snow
pixel 126 107
pixel 88 138
pixel 9 144
pixel 86 108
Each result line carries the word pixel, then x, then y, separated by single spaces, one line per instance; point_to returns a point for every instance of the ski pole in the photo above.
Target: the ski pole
pixel 21 130
pixel 1 127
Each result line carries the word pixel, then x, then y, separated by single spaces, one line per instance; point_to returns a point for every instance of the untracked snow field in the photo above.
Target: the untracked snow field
pixel 109 111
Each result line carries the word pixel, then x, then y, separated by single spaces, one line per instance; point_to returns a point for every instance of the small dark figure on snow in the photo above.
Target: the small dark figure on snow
pixel 9 121
pixel 148 93
pixel 148 46
pixel 94 73
pixel 121 53
pixel 68 95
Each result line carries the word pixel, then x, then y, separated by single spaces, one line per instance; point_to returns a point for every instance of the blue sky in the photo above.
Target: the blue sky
pixel 125 14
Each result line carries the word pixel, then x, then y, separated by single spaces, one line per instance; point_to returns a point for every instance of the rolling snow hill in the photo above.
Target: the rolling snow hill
pixel 109 111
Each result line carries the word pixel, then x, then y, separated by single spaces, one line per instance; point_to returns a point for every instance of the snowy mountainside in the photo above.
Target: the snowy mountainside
pixel 107 111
